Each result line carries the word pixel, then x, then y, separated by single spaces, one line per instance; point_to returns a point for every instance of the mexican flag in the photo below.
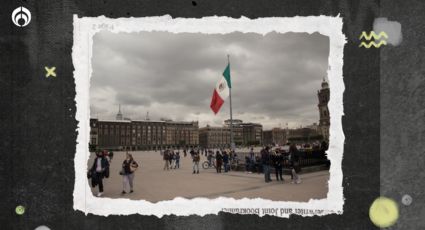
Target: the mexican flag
pixel 221 91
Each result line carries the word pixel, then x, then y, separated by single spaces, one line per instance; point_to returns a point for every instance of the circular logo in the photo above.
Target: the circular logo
pixel 20 209
pixel 406 200
pixel 21 16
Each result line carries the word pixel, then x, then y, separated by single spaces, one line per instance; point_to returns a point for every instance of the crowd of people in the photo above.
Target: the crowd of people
pixel 222 159
pixel 172 159
pixel 263 161
pixel 276 159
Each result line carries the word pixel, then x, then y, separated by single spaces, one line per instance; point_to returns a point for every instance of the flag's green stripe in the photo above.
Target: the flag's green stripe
pixel 226 75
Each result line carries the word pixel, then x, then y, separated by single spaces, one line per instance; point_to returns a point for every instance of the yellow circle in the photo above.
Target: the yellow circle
pixel 20 209
pixel 383 212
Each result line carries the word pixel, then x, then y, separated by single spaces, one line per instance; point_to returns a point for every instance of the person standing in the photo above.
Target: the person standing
pixel 226 161
pixel 129 166
pixel 219 161
pixel 265 160
pixel 278 165
pixel 177 164
pixel 251 160
pixel 251 154
pixel 166 159
pixel 295 164
pixel 192 152
pixel 99 169
pixel 171 158
pixel 257 164
pixel 196 159
pixel 247 165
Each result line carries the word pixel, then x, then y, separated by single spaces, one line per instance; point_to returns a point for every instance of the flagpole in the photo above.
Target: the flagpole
pixel 232 144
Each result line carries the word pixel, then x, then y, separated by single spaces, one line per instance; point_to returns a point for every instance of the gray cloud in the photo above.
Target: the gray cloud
pixel 275 77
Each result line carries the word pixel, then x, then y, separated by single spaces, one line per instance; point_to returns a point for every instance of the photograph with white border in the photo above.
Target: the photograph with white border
pixel 200 116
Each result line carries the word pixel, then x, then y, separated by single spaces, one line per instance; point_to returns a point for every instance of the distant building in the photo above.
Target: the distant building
pixel 243 134
pixel 142 134
pixel 235 122
pixel 214 137
pixel 275 136
pixel 303 136
pixel 314 126
pixel 324 122
pixel 252 134
pixel 94 137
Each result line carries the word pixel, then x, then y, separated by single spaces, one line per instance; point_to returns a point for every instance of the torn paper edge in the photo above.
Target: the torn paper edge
pixel 84 30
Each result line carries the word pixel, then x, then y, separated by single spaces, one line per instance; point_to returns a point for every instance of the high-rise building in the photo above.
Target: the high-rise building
pixel 324 122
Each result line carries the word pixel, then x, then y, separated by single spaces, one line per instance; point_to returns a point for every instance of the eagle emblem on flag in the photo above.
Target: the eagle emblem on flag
pixel 221 86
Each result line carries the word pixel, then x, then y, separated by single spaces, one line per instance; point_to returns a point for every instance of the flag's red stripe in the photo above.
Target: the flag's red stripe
pixel 216 102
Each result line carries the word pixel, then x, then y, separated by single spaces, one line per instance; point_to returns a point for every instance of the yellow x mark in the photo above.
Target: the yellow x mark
pixel 50 71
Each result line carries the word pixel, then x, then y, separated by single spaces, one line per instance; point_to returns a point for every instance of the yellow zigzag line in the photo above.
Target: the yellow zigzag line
pixel 372 43
pixel 372 34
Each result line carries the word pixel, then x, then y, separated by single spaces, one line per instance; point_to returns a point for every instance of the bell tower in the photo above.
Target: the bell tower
pixel 324 122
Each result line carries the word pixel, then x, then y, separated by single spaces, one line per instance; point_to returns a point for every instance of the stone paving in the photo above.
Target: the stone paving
pixel 153 184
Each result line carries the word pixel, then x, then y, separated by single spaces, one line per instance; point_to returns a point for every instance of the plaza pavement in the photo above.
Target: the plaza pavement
pixel 153 184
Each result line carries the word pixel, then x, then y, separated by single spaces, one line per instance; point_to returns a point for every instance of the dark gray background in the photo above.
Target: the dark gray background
pixel 383 99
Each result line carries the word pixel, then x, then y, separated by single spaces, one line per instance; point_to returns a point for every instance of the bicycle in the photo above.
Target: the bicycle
pixel 206 164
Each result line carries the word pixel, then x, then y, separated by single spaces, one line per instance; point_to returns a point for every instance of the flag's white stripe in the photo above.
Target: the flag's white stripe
pixel 222 89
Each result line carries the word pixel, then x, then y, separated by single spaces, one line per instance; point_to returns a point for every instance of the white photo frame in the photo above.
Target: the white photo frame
pixel 84 30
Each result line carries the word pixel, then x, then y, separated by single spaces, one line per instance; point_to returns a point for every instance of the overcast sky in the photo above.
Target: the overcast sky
pixel 275 77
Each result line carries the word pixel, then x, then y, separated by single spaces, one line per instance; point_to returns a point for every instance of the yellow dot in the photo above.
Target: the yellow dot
pixel 383 212
pixel 20 209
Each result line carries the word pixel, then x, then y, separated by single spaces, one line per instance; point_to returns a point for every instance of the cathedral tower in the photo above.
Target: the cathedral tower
pixel 324 122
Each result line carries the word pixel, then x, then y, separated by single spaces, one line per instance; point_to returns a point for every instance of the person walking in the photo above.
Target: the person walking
pixel 129 166
pixel 295 164
pixel 219 161
pixel 265 160
pixel 99 170
pixel 166 159
pixel 278 165
pixel 196 159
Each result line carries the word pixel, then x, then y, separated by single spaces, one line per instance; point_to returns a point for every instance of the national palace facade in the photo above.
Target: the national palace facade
pixel 142 134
